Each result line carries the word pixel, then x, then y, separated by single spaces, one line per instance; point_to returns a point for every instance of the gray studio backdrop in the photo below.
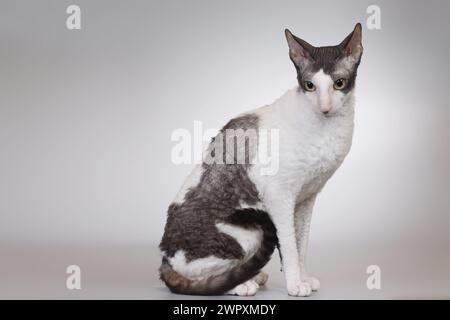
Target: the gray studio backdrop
pixel 86 118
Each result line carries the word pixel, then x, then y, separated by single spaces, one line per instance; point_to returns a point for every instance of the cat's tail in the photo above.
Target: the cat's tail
pixel 220 284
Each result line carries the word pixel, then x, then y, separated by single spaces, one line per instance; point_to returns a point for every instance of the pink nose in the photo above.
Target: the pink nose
pixel 325 108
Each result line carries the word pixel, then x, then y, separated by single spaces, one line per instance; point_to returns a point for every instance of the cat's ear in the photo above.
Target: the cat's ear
pixel 299 50
pixel 352 44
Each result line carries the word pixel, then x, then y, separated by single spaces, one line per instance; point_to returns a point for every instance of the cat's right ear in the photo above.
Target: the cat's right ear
pixel 298 49
pixel 352 45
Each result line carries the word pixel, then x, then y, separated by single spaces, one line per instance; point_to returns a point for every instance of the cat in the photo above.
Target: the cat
pixel 227 219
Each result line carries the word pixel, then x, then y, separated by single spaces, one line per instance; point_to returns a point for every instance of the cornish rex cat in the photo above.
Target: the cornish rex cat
pixel 228 217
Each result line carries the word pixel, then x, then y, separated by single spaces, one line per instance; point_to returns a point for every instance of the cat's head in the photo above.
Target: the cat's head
pixel 326 75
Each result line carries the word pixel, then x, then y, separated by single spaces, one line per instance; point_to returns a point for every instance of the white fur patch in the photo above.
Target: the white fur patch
pixel 200 268
pixel 248 288
pixel 257 206
pixel 347 63
pixel 248 239
pixel 322 80
pixel 324 90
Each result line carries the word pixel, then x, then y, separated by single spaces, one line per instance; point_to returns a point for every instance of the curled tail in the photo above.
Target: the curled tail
pixel 220 284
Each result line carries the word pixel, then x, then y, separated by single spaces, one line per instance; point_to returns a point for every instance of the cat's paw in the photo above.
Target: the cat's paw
pixel 261 278
pixel 248 288
pixel 299 289
pixel 313 282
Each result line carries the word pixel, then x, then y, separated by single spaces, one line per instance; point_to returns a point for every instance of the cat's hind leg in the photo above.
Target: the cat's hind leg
pixel 248 288
pixel 261 278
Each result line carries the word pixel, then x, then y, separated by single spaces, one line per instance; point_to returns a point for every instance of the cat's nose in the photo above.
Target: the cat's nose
pixel 325 108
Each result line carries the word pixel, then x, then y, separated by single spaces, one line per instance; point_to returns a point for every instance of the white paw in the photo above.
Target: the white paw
pixel 261 278
pixel 313 282
pixel 248 288
pixel 299 289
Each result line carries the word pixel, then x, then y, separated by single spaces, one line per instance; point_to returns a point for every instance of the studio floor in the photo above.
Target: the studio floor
pixel 130 272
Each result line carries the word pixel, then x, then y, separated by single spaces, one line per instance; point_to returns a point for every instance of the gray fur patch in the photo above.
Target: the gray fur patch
pixel 191 225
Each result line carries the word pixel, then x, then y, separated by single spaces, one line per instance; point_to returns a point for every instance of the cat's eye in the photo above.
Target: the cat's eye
pixel 309 86
pixel 340 84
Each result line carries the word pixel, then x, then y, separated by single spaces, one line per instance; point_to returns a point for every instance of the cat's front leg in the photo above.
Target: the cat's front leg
pixel 281 209
pixel 303 213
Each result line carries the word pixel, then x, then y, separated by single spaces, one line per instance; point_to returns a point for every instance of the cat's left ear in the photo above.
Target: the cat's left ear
pixel 299 50
pixel 352 44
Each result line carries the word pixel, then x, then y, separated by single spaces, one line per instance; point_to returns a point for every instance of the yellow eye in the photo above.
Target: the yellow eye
pixel 340 84
pixel 309 86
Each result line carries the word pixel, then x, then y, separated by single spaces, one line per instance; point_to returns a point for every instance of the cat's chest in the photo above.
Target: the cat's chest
pixel 317 157
pixel 310 162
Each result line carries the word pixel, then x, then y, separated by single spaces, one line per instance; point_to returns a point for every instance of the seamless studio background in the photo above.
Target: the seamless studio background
pixel 86 118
